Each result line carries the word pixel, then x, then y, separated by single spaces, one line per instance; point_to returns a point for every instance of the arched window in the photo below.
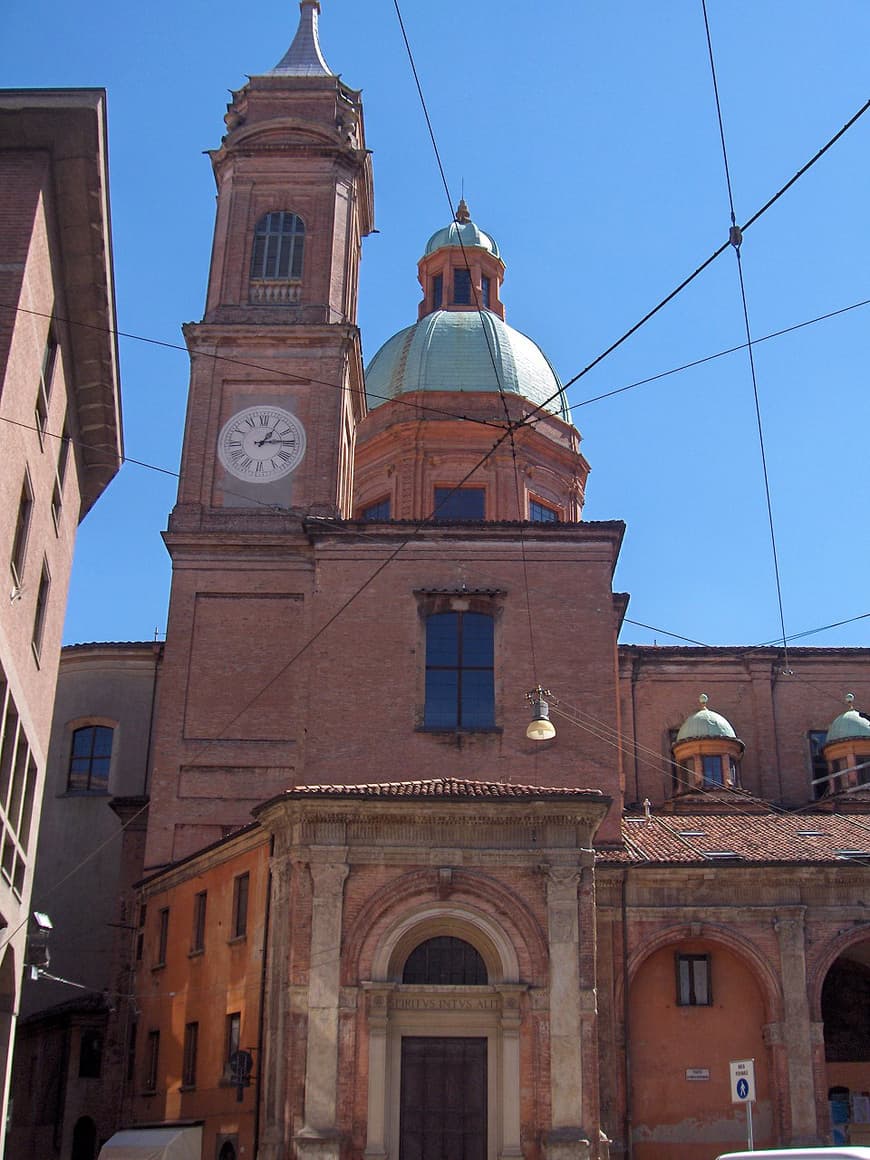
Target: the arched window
pixel 447 962
pixel 279 241
pixel 90 758
pixel 227 1151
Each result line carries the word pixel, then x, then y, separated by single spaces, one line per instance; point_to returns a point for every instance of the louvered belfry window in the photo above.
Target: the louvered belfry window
pixel 279 242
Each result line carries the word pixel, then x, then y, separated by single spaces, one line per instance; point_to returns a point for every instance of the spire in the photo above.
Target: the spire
pixel 303 58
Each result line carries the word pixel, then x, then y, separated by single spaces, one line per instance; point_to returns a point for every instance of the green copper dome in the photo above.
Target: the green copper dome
pixel 462 233
pixel 706 723
pixel 849 726
pixel 454 351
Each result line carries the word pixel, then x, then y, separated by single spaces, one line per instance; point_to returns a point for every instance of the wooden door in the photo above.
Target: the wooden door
pixel 443 1099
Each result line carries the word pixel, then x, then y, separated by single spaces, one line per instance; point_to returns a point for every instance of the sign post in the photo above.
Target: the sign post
pixel 743 1090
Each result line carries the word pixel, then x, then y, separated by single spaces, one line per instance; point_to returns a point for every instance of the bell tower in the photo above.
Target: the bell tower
pixel 276 370
pixel 276 392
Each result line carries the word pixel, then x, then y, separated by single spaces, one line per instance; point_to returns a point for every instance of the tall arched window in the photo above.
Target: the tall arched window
pixel 90 759
pixel 279 241
pixel 445 961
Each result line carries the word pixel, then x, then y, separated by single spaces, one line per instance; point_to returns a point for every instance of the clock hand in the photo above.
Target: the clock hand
pixel 266 438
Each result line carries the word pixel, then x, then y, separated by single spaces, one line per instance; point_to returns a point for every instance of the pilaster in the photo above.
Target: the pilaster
pixel 319 1138
pixel 797 1027
pixel 566 1139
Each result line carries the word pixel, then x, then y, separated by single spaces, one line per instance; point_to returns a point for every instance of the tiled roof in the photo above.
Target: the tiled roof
pixel 739 837
pixel 439 787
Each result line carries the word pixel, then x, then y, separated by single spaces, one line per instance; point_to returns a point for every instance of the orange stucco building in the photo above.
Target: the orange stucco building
pixel 462 939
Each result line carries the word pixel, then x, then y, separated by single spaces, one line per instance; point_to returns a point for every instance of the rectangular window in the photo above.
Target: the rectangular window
pixel 131 1051
pixel 484 291
pixel 60 476
pixel 437 291
pixel 197 935
pixel 140 933
pixel 22 530
pixel 233 1036
pixel 712 769
pixel 90 759
pixel 90 1054
pixel 41 608
pixel 693 981
pixel 459 503
pixel 241 886
pixel 816 739
pixel 188 1067
pixel 162 936
pixel 541 514
pixel 152 1055
pixel 49 358
pixel 460 680
pixel 376 512
pixel 462 287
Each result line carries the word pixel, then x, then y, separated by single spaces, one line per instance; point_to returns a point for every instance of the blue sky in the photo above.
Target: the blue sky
pixel 586 139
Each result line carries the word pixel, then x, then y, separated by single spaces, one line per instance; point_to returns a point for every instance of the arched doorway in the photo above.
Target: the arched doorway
pixel 228 1151
pixel 845 1003
pixel 84 1141
pixel 444 1023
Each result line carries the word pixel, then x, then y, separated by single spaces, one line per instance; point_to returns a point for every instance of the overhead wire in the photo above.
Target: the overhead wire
pixel 736 239
pixel 615 739
pixel 538 408
pixel 707 262
pixel 302 380
pixel 511 424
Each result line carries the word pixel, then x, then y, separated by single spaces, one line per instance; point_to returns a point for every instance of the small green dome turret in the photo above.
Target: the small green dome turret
pixel 706 723
pixel 849 726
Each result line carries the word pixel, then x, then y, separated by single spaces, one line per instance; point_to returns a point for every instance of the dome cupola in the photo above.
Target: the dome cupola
pixel 440 390
pixel 707 749
pixel 461 341
pixel 847 749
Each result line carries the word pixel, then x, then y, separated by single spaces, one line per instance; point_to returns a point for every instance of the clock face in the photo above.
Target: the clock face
pixel 261 444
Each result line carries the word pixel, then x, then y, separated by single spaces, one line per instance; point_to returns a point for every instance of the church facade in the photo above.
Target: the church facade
pixel 382 917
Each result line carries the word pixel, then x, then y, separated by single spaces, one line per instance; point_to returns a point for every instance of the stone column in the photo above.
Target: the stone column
pixel 796 1026
pixel 566 1139
pixel 378 1020
pixel 319 1137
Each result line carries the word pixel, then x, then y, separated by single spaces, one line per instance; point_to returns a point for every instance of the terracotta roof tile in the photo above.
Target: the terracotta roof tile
pixel 439 787
pixel 741 837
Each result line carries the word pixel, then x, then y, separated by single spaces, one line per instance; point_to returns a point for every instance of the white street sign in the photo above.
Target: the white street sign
pixel 742 1081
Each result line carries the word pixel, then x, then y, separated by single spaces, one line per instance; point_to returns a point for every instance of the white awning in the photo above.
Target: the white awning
pixel 154 1144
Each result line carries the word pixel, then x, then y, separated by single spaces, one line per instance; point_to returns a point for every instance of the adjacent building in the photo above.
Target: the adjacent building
pixel 75 1032
pixel 60 445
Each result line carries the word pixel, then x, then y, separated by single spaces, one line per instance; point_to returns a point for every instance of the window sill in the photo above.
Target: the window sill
pixel 237 938
pixel 187 1087
pixel 85 793
pixel 196 953
pixel 159 967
